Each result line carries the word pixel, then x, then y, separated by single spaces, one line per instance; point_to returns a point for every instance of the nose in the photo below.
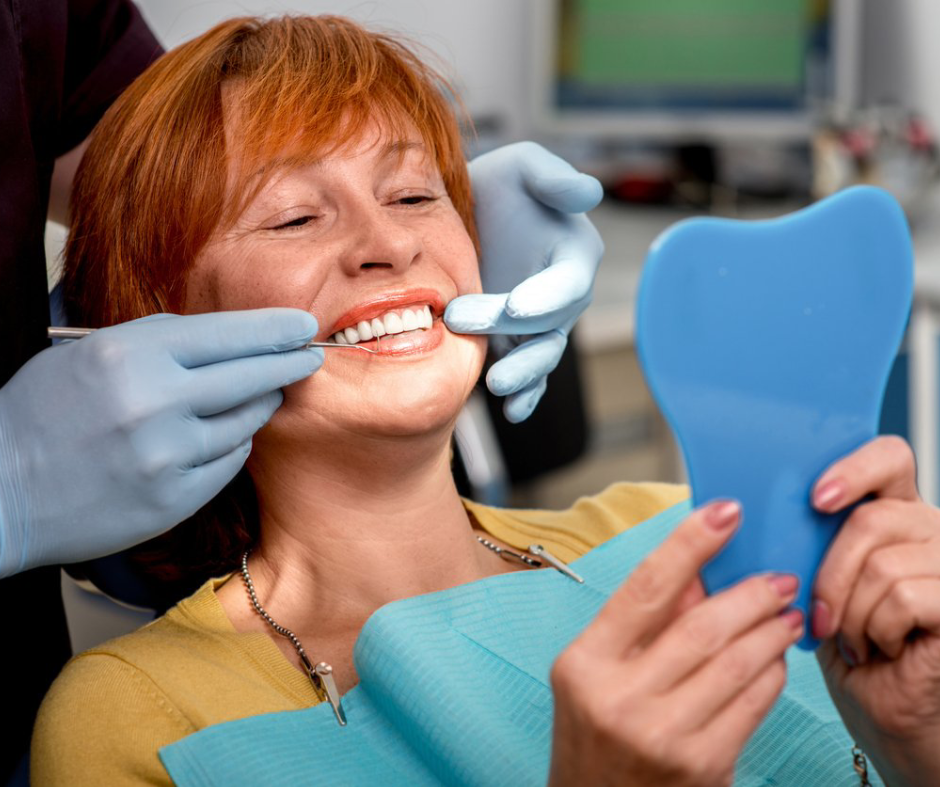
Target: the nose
pixel 381 238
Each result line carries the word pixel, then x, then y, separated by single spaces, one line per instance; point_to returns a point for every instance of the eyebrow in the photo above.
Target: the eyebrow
pixel 401 147
pixel 389 149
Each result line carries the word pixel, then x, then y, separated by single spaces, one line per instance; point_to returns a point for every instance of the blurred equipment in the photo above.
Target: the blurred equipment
pixel 882 146
pixel 687 70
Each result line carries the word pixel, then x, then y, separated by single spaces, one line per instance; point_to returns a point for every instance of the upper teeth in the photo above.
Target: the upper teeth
pixel 390 323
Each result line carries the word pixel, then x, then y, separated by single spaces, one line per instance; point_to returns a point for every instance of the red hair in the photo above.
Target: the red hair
pixel 152 185
pixel 152 189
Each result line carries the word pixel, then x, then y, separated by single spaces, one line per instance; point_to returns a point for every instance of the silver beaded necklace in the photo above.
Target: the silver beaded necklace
pixel 321 674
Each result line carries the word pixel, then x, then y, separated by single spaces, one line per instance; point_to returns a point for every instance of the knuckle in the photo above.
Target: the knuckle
pixel 700 633
pixel 866 519
pixel 563 671
pixel 899 453
pixel 736 669
pixel 106 354
pixel 905 598
pixel 130 415
pixel 152 465
pixel 569 668
pixel 646 585
pixel 708 766
pixel 687 538
pixel 883 566
pixel 770 684
pixel 527 148
pixel 657 742
pixel 604 717
pixel 833 583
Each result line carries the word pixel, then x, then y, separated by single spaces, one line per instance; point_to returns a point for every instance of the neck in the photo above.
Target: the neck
pixel 341 536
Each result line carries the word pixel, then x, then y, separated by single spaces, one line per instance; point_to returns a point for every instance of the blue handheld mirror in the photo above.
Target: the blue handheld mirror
pixel 767 345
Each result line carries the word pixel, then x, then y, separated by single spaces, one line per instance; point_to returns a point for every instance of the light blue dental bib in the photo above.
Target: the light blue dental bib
pixel 454 690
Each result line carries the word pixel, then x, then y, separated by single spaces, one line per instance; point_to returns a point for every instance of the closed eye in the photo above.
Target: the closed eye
pixel 417 199
pixel 298 222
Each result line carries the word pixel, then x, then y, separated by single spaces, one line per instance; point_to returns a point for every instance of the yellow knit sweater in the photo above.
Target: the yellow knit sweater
pixel 114 706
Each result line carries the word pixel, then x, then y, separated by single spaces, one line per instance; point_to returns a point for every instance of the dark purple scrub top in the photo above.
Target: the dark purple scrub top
pixel 62 63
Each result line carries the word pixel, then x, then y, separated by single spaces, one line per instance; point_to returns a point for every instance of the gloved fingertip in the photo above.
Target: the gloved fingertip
pixel 315 356
pixel 300 324
pixel 569 193
pixel 592 191
pixel 472 313
pixel 500 384
pixel 520 406
pixel 455 316
pixel 300 364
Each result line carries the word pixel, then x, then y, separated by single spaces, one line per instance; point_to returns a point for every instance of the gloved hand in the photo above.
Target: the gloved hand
pixel 539 256
pixel 113 439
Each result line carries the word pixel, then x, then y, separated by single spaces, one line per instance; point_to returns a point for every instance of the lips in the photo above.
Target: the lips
pixel 381 305
pixel 404 322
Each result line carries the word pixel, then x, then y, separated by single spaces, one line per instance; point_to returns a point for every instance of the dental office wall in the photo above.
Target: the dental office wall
pixel 480 42
pixel 485 43
pixel 906 70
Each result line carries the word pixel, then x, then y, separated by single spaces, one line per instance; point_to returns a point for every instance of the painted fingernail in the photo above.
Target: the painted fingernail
pixel 848 653
pixel 723 516
pixel 794 617
pixel 828 495
pixel 785 584
pixel 822 620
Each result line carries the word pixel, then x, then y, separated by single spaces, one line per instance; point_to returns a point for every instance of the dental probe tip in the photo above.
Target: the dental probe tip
pixel 334 346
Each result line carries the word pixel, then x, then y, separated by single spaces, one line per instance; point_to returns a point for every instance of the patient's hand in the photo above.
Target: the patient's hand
pixel 666 686
pixel 539 256
pixel 878 596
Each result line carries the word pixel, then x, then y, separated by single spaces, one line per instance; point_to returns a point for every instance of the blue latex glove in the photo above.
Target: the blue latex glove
pixel 539 256
pixel 113 439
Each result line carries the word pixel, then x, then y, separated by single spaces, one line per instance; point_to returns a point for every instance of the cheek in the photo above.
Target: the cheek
pixel 240 279
pixel 466 271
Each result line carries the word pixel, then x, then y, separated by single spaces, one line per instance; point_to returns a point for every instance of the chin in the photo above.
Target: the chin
pixel 393 398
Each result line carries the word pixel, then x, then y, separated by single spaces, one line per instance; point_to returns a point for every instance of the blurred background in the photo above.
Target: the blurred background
pixel 730 108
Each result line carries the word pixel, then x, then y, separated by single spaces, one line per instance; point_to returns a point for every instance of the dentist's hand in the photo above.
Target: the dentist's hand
pixel 539 257
pixel 111 440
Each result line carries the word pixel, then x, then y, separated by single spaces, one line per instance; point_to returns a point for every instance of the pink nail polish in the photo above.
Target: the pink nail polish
pixel 785 584
pixel 822 620
pixel 848 653
pixel 723 516
pixel 794 617
pixel 828 495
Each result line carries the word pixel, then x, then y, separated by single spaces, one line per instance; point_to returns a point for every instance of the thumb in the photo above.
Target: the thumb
pixel 555 183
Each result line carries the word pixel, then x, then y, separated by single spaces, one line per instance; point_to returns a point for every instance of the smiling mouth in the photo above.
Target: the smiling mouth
pixel 392 323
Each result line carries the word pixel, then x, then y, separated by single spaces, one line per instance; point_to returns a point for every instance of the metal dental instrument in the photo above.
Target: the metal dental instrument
pixel 77 333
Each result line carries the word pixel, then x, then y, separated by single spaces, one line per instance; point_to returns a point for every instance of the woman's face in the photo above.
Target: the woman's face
pixel 357 238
